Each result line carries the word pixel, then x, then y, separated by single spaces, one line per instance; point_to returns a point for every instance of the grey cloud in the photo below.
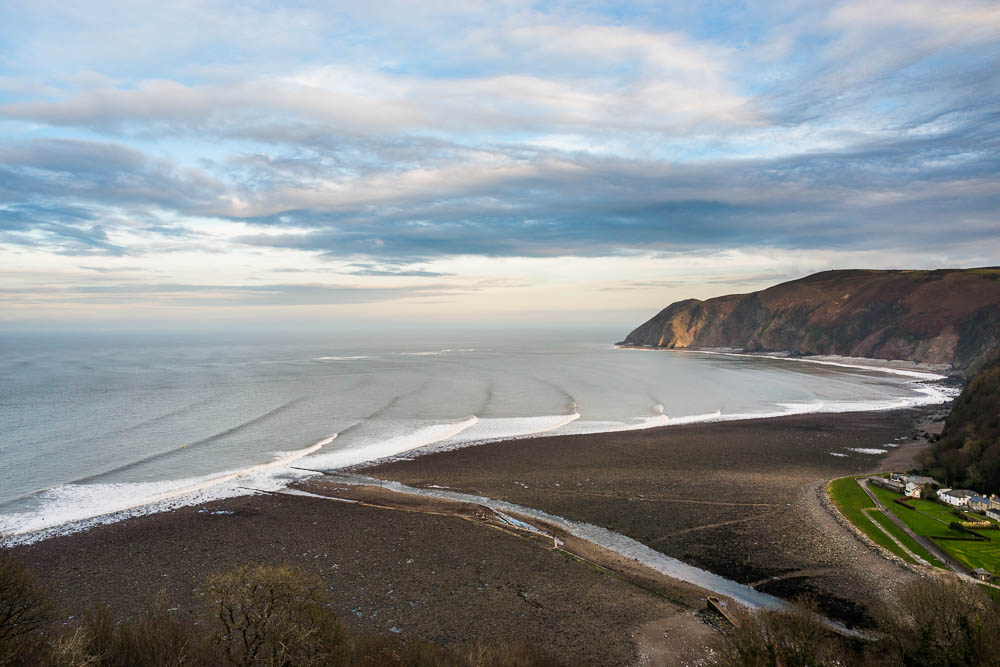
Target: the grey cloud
pixel 106 172
pixel 860 198
pixel 414 273
pixel 234 295
pixel 112 269
pixel 65 230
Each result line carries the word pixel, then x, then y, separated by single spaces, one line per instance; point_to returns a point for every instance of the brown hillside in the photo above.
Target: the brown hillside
pixel 945 316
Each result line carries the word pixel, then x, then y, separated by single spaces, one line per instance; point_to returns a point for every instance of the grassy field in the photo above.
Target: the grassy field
pixel 931 519
pixel 850 499
pixel 898 533
pixel 928 518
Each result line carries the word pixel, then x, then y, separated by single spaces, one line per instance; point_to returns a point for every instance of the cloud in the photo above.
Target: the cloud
pixel 388 142
pixel 110 173
pixel 385 271
pixel 200 295
pixel 65 230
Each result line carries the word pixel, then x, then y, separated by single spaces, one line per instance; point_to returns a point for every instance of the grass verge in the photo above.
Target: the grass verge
pixel 851 499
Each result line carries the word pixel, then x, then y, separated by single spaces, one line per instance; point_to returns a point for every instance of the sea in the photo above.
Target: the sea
pixel 98 426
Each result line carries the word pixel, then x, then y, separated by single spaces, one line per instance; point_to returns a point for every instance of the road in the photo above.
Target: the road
pixel 927 544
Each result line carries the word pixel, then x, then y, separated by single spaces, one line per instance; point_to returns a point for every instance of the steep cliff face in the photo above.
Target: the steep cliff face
pixel 946 316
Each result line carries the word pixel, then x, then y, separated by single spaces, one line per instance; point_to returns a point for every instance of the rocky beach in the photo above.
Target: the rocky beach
pixel 740 499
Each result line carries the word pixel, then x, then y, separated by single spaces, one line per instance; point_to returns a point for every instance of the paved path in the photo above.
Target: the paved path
pixel 867 512
pixel 927 544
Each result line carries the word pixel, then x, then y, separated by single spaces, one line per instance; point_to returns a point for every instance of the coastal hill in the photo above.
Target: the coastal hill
pixel 949 316
pixel 968 452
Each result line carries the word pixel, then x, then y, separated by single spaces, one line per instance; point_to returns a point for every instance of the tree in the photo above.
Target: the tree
pixel 942 621
pixel 24 610
pixel 275 616
pixel 792 637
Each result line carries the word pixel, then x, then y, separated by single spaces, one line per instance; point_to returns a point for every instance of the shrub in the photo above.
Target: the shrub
pixel 274 615
pixel 941 621
pixel 795 637
pixel 153 638
pixel 24 610
pixel 510 654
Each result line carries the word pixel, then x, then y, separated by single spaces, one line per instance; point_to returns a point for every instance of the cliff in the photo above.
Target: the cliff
pixel 945 316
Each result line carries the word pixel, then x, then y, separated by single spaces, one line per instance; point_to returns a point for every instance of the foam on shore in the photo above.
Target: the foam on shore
pixel 393 446
pixel 71 507
pixel 919 375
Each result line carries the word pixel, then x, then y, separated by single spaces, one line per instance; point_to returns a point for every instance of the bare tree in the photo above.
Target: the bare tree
pixel 274 616
pixel 24 609
pixel 942 621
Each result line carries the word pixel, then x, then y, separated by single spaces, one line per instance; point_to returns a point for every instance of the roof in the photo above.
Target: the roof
pixel 980 570
pixel 958 493
pixel 919 479
pixel 978 499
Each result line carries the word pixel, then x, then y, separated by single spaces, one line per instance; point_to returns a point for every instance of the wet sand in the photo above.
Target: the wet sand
pixel 741 499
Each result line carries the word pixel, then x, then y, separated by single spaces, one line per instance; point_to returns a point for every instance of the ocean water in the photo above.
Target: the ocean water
pixel 93 426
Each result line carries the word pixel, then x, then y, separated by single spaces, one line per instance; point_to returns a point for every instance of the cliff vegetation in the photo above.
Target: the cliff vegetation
pixel 968 452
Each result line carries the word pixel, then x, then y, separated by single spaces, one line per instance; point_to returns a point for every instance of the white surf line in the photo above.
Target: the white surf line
pixel 919 375
pixel 183 491
pixel 394 446
pixel 452 443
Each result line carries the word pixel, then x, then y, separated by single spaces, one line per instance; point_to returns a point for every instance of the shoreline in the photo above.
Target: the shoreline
pixel 211 487
pixel 727 497
pixel 914 369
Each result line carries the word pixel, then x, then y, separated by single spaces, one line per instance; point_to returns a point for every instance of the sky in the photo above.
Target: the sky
pixel 483 161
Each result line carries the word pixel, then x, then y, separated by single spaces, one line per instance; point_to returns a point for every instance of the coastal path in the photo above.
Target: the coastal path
pixel 926 543
pixel 867 510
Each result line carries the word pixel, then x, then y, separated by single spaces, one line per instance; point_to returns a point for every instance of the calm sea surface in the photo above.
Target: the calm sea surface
pixel 102 423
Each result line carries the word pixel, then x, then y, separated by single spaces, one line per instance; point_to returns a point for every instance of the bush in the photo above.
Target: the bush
pixel 257 615
pixel 516 654
pixel 24 611
pixel 154 638
pixel 795 637
pixel 272 615
pixel 941 621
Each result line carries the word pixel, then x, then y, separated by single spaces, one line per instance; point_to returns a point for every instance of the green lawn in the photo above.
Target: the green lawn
pixel 975 554
pixel 931 519
pixel 921 523
pixel 850 499
pixel 898 533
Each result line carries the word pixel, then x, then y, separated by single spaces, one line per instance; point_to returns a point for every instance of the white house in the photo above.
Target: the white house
pixel 993 514
pixel 956 497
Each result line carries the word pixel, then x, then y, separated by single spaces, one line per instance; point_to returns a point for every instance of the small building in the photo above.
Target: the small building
pixel 982 574
pixel 956 497
pixel 913 490
pixel 993 514
pixel 995 502
pixel 890 484
pixel 979 503
pixel 920 480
